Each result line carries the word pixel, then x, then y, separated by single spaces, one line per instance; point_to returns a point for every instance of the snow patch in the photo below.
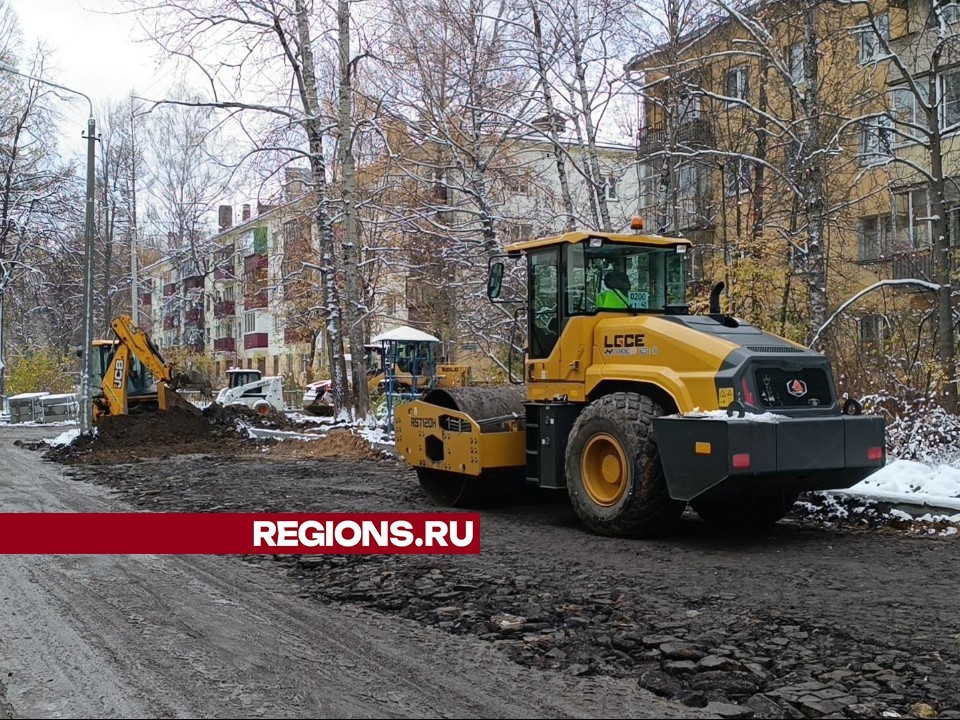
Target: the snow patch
pixel 766 417
pixel 64 438
pixel 909 481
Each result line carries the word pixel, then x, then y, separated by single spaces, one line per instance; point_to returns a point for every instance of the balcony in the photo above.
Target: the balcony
pixel 146 299
pixel 193 283
pixel 224 308
pixel 252 341
pixel 227 344
pixel 694 133
pixel 192 316
pixel 225 272
pixel 169 289
pixel 919 264
pixel 254 262
pixel 255 300
pixel 170 322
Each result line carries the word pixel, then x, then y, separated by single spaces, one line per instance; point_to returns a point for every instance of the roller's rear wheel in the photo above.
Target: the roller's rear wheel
pixel 614 476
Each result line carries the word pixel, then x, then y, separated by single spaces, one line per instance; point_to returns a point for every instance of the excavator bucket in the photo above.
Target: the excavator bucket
pixel 170 398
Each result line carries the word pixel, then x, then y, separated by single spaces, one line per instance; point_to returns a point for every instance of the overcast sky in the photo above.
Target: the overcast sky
pixel 93 52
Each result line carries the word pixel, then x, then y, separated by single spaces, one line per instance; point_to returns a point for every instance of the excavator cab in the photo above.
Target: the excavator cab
pixel 141 385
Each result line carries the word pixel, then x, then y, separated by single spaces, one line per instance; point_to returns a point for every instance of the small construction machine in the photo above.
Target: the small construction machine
pixel 251 388
pixel 132 374
pixel 636 407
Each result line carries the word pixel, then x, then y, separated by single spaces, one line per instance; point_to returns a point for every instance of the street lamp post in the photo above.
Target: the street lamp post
pixel 86 372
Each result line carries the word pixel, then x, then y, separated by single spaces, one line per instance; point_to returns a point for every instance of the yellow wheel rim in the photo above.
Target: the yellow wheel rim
pixel 604 469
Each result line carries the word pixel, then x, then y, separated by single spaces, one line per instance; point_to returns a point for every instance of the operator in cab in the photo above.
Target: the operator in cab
pixel 615 296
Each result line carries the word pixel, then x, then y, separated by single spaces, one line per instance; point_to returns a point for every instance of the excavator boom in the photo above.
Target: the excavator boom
pixel 133 342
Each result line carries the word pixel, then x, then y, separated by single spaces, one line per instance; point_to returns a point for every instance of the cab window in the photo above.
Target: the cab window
pixel 622 277
pixel 544 321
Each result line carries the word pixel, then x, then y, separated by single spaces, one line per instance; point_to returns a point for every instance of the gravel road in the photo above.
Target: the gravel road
pixel 158 636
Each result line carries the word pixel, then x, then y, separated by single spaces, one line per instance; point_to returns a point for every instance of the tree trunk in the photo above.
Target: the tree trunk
pixel 321 216
pixel 354 308
pixel 566 198
pixel 598 189
pixel 946 349
pixel 816 243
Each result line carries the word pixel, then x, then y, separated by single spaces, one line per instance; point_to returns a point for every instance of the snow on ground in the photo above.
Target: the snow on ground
pixel 916 483
pixel 64 438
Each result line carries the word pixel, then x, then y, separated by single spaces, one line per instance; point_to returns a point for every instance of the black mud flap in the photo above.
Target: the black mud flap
pixel 728 457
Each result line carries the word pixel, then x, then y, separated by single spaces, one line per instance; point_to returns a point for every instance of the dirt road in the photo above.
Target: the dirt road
pixel 802 620
pixel 155 636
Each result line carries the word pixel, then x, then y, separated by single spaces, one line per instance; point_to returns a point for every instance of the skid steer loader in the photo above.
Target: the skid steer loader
pixel 635 406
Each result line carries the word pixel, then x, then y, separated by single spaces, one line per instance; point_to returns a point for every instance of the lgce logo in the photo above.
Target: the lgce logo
pixel 797 387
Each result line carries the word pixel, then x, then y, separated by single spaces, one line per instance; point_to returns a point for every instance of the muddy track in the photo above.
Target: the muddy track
pixel 801 620
pixel 208 636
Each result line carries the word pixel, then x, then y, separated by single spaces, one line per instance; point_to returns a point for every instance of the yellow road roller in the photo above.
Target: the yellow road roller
pixel 636 407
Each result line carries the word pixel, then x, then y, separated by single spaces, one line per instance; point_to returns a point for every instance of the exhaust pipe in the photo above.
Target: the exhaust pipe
pixel 715 298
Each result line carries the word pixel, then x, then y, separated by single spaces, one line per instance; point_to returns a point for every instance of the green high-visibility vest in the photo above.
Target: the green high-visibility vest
pixel 612 300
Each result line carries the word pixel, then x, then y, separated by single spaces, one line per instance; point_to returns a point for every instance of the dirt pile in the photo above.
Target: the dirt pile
pixel 338 443
pixel 229 415
pixel 127 438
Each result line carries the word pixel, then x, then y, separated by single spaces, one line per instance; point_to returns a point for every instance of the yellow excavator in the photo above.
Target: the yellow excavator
pixel 636 407
pixel 133 375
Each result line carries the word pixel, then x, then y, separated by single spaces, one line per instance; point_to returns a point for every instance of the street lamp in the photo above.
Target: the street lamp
pixel 86 404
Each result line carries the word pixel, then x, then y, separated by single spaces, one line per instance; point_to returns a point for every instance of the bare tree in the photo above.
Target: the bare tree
pixel 921 109
pixel 259 60
pixel 33 182
pixel 186 179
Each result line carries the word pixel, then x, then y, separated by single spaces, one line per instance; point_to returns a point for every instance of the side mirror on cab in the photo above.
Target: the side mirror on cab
pixel 495 281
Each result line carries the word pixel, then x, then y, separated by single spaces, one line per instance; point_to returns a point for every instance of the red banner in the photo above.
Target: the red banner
pixel 239 533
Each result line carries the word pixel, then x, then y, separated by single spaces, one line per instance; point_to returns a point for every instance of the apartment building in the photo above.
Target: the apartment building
pixel 724 126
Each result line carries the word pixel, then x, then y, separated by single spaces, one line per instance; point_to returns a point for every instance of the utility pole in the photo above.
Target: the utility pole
pixel 134 291
pixel 86 400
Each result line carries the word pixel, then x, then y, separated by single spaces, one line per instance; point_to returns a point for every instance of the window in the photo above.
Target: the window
pixel 518 232
pixel 737 84
pixel 655 277
pixel 873 330
pixel 649 180
pixel 903 110
pixel 518 185
pixel 795 64
pixel 949 11
pixel 610 186
pixel 688 108
pixel 914 228
pixel 875 238
pixel 871 49
pixel 951 98
pixel 875 140
pixel 544 308
pixel 737 177
pixel 249 322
